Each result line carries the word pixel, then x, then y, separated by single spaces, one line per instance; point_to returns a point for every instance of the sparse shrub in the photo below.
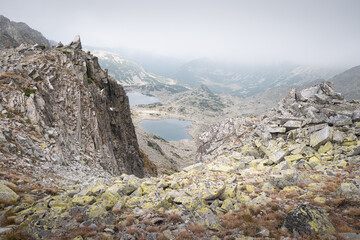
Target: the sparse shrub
pixel 184 235
pixel 224 233
pixel 339 223
pixel 78 217
pixel 197 229
pixel 155 146
pixel 130 220
pixel 133 231
pixel 153 229
pixel 29 91
pixel 330 187
pixel 83 232
pixel 16 234
pixel 161 237
pixel 353 211
pixel 230 221
pixel 89 80
pixel 175 218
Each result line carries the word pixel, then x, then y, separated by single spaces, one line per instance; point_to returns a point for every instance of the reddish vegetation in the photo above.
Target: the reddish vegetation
pixel 133 231
pixel 153 229
pixel 162 237
pixel 184 235
pixel 175 218
pixel 130 220
pixel 197 229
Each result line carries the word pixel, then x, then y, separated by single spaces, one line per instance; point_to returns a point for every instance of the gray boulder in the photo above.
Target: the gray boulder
pixel 308 220
pixel 356 116
pixel 320 137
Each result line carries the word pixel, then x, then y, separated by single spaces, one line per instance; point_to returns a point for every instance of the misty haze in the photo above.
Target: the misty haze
pixel 179 119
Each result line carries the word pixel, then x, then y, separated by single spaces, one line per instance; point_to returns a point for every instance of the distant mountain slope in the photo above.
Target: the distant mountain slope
pixel 348 83
pixel 246 80
pixel 127 72
pixel 12 34
pixel 201 98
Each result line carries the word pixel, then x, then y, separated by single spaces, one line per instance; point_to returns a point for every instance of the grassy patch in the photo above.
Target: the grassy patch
pixel 29 91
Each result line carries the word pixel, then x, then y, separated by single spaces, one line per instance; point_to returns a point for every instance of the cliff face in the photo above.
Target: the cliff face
pixel 68 110
pixel 12 34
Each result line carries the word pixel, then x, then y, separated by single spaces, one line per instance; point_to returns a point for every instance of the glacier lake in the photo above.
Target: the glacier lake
pixel 170 129
pixel 136 98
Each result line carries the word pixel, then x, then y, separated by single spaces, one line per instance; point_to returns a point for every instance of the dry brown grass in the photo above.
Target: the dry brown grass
pixel 225 232
pixel 83 232
pixel 230 221
pixel 330 187
pixel 199 230
pixel 175 218
pixel 273 206
pixel 8 219
pixel 133 231
pixel 8 203
pixel 161 237
pixel 272 221
pixel 16 234
pixel 78 217
pixel 339 223
pixel 130 220
pixel 353 211
pixel 153 229
pixel 303 185
pixel 146 222
pixel 184 235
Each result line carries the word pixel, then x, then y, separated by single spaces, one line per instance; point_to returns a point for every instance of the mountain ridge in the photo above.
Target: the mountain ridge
pixel 12 34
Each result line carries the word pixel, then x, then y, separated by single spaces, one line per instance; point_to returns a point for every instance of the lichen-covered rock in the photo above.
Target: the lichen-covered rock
pixel 309 220
pixel 320 137
pixel 206 190
pixel 286 178
pixel 349 190
pixel 6 194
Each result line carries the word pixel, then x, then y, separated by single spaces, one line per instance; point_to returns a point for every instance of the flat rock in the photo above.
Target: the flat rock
pixel 320 137
pixel 340 120
pixel 277 156
pixel 291 124
pixel 207 190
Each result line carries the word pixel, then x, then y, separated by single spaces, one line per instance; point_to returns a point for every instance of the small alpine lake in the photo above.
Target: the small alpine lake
pixel 136 98
pixel 170 129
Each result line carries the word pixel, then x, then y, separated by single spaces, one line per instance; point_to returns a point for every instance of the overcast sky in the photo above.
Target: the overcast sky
pixel 303 31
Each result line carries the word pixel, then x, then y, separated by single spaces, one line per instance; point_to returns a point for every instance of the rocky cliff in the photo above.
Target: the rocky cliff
pixel 62 114
pixel 12 34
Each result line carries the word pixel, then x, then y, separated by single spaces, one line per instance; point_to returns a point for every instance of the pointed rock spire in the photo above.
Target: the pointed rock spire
pixel 76 43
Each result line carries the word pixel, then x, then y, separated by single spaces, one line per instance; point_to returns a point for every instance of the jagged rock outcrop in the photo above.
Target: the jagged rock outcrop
pixel 317 109
pixel 13 34
pixel 59 108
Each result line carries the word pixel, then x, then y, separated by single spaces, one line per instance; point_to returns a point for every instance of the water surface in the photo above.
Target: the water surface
pixel 170 129
pixel 136 98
